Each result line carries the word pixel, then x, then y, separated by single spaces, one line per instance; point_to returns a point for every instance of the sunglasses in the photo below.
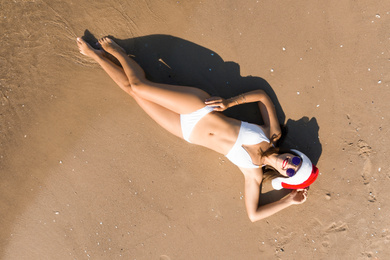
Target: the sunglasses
pixel 295 161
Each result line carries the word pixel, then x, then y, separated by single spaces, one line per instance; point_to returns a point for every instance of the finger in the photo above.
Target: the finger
pixel 213 98
pixel 213 105
pixel 302 198
pixel 212 102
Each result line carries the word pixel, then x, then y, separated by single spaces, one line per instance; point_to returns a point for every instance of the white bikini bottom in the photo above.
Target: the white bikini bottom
pixel 188 121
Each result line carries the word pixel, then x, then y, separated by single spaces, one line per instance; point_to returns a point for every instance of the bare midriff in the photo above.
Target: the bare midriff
pixel 217 132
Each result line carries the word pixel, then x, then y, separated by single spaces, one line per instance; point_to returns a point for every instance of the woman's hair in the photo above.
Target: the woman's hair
pixel 269 172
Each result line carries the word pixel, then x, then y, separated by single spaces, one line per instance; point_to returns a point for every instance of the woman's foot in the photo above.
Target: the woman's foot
pixel 111 47
pixel 87 50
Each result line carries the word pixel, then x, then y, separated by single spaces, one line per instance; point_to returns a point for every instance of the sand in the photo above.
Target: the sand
pixel 86 174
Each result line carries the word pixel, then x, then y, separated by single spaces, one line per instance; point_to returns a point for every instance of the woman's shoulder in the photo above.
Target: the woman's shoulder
pixel 252 173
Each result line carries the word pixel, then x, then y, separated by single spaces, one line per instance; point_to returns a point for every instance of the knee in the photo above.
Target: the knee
pixel 136 86
pixel 126 86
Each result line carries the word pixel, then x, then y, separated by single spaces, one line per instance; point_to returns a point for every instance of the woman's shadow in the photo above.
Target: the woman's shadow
pixel 171 60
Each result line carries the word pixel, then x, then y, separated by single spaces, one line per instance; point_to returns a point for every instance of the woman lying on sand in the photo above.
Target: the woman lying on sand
pixel 193 115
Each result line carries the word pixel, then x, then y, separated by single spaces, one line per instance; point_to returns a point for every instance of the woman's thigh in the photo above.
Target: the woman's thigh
pixel 166 118
pixel 179 99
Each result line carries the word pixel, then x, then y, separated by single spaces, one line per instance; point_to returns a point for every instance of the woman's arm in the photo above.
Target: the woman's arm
pixel 253 179
pixel 267 108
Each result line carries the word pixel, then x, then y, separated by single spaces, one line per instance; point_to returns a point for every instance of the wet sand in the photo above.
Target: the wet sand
pixel 85 173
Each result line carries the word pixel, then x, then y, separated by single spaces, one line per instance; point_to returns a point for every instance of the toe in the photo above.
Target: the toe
pixel 80 41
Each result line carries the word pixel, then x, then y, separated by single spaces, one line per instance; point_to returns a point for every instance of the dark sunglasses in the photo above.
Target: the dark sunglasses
pixel 296 161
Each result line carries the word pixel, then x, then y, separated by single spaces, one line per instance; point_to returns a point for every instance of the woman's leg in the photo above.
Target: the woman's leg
pixel 115 72
pixel 168 119
pixel 179 99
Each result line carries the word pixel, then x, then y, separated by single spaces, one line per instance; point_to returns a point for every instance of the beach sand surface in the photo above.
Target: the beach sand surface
pixel 86 174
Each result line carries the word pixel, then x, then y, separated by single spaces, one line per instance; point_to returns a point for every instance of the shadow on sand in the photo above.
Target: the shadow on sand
pixel 171 60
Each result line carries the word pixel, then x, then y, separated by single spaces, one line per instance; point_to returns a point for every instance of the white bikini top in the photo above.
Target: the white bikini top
pixel 249 134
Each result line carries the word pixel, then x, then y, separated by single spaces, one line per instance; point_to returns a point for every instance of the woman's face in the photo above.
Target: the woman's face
pixel 285 161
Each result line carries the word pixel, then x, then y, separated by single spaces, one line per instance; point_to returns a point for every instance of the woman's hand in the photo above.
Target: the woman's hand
pixel 297 196
pixel 218 103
